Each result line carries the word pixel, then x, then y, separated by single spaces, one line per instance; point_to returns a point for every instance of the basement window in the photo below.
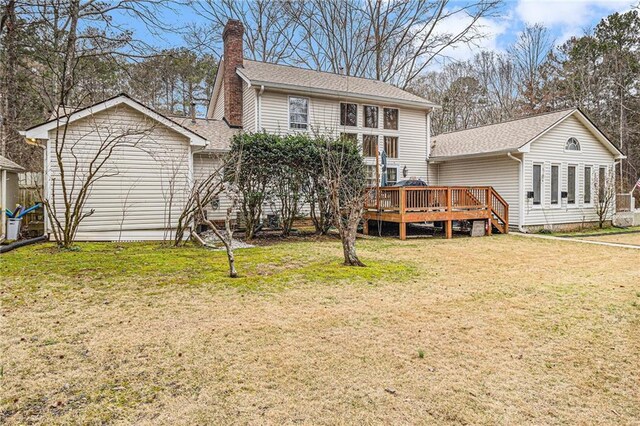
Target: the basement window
pixel 298 113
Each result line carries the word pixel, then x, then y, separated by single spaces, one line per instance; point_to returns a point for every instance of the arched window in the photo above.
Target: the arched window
pixel 572 145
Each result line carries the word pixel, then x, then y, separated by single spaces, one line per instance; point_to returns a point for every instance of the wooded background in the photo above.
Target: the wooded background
pixel 74 53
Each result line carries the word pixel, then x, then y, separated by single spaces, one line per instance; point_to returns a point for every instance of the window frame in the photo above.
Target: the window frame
pixel 559 190
pixel 586 188
pixel 384 141
pixel 348 135
pixel 397 169
pixel 369 179
pixel 575 186
pixel 577 143
pixel 365 136
pixel 533 189
pixel 602 181
pixel 364 116
pixel 306 129
pixel 340 107
pixel 384 127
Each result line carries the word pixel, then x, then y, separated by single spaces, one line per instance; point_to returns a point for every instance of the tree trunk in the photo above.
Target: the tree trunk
pixel 349 247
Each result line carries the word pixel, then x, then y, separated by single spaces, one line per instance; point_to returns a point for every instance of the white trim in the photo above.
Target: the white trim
pixel 572 151
pixel 398 119
pixel 584 167
pixel 559 192
pixel 428 131
pixel 42 131
pixel 542 191
pixel 217 84
pixel 3 203
pixel 398 177
pixel 576 186
pixel 346 126
pixel 306 129
pixel 364 117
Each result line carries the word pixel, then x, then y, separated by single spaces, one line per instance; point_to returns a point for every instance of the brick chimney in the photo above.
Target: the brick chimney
pixel 233 52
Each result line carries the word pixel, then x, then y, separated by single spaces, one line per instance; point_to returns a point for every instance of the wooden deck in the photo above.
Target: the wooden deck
pixel 446 204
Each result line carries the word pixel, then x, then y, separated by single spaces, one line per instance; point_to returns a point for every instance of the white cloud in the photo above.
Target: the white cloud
pixel 490 29
pixel 572 13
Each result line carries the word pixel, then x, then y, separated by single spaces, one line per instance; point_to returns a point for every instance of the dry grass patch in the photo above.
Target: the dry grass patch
pixel 627 238
pixel 488 330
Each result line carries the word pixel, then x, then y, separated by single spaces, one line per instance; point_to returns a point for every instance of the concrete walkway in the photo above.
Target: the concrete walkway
pixel 577 240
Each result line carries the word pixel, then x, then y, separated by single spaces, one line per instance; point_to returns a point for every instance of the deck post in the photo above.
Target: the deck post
pixel 403 230
pixel 365 227
pixel 449 222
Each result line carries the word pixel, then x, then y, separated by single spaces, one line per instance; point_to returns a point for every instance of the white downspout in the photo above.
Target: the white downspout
pixel 3 203
pixel 428 144
pixel 259 114
pixel 520 192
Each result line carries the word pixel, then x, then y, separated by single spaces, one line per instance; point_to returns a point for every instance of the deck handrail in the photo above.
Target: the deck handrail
pixel 404 200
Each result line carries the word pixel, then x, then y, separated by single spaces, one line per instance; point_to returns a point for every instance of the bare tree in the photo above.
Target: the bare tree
pixel 345 180
pixel 530 51
pixel 604 188
pixel 270 33
pixel 221 182
pixel 82 157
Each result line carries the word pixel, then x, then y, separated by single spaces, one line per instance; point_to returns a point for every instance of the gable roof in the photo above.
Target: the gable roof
pixel 310 81
pixel 6 164
pixel 41 131
pixel 217 132
pixel 508 136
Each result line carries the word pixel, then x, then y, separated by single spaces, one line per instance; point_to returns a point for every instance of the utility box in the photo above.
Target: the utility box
pixel 13 228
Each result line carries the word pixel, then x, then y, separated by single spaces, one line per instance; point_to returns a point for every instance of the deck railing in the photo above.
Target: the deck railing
pixel 440 199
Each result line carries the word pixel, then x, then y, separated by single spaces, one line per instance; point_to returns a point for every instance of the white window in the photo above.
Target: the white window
pixel 602 182
pixel 572 145
pixel 537 184
pixel 298 113
pixel 371 175
pixel 571 185
pixel 555 185
pixel 588 186
pixel 392 176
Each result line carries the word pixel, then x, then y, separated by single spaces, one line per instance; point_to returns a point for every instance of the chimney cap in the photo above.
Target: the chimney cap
pixel 233 26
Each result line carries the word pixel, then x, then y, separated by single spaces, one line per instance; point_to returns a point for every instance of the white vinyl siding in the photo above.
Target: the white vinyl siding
pixel 499 172
pixel 204 164
pixel 550 149
pixel 142 188
pixel 218 109
pixel 248 108
pixel 324 119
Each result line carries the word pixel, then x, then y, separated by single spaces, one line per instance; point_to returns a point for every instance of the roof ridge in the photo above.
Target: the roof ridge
pixel 326 72
pixel 509 120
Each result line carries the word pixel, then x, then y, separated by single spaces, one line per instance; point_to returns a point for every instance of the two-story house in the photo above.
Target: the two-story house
pixel 544 166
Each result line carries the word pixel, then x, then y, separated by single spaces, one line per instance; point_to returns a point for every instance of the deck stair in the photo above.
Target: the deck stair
pixel 437 203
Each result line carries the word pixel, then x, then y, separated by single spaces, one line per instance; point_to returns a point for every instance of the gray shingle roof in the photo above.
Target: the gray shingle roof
pixel 499 137
pixel 6 164
pixel 217 132
pixel 325 81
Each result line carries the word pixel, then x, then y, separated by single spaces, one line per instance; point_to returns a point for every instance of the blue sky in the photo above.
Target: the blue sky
pixel 564 18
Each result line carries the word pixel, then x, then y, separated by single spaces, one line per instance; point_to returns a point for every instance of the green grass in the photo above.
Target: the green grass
pixel 266 268
pixel 596 231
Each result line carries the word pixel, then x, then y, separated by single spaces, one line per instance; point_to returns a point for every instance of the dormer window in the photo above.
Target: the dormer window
pixel 572 145
pixel 348 114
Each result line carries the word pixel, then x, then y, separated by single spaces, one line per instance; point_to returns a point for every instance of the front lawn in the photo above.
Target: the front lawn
pixel 500 329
